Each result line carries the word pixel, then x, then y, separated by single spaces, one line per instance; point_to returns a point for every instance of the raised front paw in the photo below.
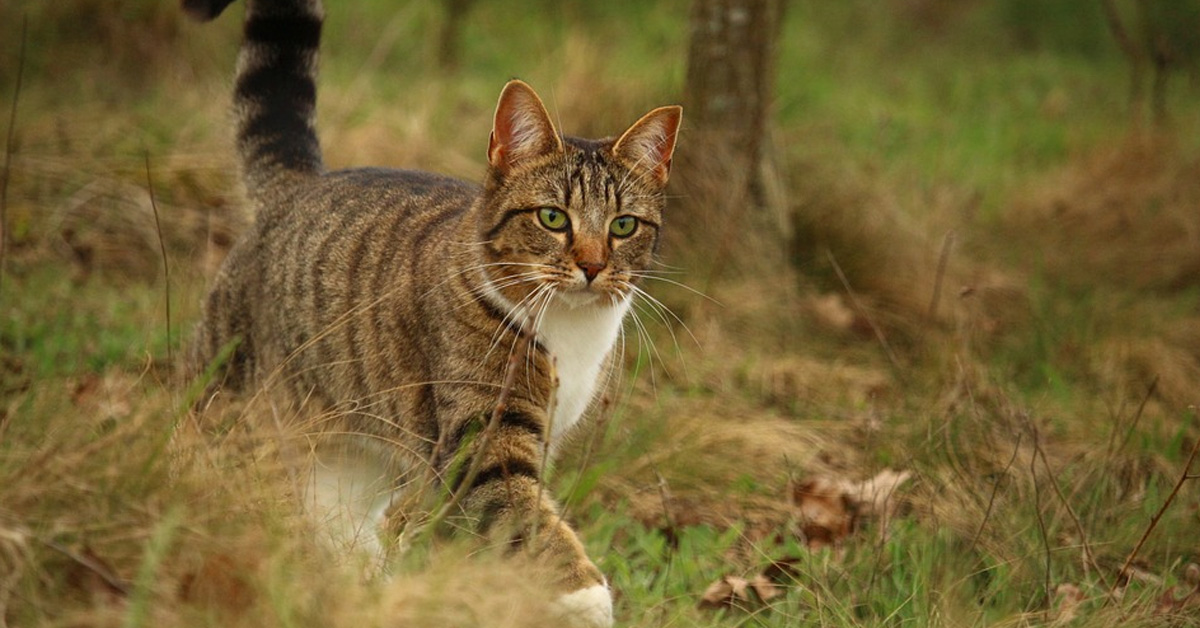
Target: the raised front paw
pixel 590 607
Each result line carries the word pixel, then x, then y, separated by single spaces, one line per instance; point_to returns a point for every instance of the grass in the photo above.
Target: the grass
pixel 1047 404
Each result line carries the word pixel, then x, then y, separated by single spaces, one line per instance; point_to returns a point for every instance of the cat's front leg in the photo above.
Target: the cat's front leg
pixel 505 502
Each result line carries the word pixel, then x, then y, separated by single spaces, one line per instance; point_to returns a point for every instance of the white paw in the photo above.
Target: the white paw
pixel 586 608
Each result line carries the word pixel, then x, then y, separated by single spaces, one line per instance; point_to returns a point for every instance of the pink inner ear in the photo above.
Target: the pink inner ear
pixel 522 128
pixel 650 142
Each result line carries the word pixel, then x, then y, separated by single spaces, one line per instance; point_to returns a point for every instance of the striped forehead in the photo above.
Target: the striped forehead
pixel 590 187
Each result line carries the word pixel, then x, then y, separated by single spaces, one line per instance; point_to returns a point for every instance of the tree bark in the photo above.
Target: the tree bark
pixel 450 38
pixel 1132 52
pixel 720 173
pixel 730 79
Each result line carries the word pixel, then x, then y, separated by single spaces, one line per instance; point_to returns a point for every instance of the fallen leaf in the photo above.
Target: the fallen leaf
pixel 829 508
pixel 765 588
pixel 875 496
pixel 783 570
pixel 1168 604
pixel 831 310
pixel 737 592
pixel 826 513
pixel 220 582
pixel 1066 602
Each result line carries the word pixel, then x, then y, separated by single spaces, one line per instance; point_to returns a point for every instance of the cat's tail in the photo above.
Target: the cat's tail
pixel 275 95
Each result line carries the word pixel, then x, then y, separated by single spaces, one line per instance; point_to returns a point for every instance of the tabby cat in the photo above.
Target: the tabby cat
pixel 400 297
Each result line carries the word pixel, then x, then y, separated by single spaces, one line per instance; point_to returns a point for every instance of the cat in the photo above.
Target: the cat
pixel 468 326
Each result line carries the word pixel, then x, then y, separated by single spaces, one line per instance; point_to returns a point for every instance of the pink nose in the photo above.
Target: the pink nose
pixel 591 269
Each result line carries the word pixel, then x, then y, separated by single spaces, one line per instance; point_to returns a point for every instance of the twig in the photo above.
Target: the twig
pixel 664 495
pixel 1137 417
pixel 551 409
pixel 100 569
pixel 8 152
pixel 943 261
pixel 1037 508
pixel 1089 557
pixel 887 349
pixel 162 247
pixel 464 485
pixel 987 514
pixel 1183 477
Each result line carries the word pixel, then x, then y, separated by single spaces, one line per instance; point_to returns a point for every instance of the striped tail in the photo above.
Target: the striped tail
pixel 275 95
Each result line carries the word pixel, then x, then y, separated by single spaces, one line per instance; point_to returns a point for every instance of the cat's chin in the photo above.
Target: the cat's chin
pixel 580 298
pixel 584 298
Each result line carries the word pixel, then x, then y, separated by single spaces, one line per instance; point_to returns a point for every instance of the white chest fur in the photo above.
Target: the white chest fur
pixel 580 339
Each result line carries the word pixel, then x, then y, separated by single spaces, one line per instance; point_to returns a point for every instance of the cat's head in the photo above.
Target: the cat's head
pixel 570 219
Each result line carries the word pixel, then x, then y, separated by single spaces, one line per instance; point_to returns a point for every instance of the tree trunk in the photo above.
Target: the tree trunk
pixel 449 40
pixel 730 79
pixel 727 98
pixel 1133 53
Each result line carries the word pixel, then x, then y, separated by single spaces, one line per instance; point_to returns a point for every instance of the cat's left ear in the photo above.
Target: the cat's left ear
pixel 648 145
pixel 522 128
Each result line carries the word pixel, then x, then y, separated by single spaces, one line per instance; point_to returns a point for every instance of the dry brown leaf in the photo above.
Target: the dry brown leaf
pixel 784 571
pixel 1066 602
pixel 220 582
pixel 1168 604
pixel 825 510
pixel 765 588
pixel 831 311
pixel 737 592
pixel 829 508
pixel 723 592
pixel 876 496
pixel 1191 574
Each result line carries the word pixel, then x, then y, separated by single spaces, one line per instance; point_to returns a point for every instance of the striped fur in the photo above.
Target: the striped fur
pixel 398 296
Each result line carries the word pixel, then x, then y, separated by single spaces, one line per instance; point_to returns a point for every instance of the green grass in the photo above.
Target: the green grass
pixel 891 132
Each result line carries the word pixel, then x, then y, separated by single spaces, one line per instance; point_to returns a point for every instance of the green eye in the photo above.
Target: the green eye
pixel 623 226
pixel 553 219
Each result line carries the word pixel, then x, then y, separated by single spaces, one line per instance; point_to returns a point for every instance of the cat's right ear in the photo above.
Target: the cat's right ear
pixel 522 128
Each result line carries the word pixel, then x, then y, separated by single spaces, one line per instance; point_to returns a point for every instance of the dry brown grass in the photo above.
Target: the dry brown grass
pixel 127 508
pixel 1124 215
pixel 787 377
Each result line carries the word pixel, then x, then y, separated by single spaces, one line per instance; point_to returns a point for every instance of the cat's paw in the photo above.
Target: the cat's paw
pixel 590 607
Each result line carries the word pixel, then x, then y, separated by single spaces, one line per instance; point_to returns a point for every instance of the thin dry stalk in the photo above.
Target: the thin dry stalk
pixel 1037 509
pixel 1137 417
pixel 943 261
pixel 9 147
pixel 485 438
pixel 664 494
pixel 987 513
pixel 550 410
pixel 162 248
pixel 887 348
pixel 114 582
pixel 1183 477
pixel 1088 557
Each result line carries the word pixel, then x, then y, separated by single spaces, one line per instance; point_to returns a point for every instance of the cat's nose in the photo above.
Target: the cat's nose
pixel 591 269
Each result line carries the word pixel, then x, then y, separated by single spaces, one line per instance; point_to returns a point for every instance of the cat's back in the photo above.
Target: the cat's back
pixel 346 260
pixel 363 193
pixel 357 221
